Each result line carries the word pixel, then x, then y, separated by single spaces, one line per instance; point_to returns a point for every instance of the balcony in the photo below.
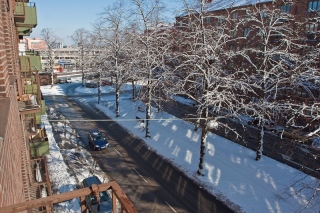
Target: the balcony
pixel 118 198
pixel 35 62
pixel 19 12
pixel 24 31
pixel 30 16
pixel 29 101
pixel 39 145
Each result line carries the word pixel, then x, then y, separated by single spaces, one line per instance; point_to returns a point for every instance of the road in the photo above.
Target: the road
pixel 150 182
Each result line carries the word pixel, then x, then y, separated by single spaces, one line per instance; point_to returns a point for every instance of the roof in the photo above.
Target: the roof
pixel 216 5
pixel 94 131
pixel 91 180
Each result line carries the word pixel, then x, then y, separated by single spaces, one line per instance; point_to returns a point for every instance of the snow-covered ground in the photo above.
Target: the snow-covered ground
pixel 231 172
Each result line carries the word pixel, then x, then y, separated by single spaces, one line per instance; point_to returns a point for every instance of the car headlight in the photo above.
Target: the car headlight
pixel 97 146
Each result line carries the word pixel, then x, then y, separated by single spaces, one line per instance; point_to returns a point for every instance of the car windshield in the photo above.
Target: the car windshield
pixel 98 137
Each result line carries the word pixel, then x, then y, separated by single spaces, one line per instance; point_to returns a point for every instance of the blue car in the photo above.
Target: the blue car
pixel 97 140
pixel 91 201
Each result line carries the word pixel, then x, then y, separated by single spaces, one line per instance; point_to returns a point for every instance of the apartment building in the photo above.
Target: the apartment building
pixel 22 141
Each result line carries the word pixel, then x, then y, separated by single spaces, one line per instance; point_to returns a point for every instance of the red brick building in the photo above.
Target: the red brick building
pixel 242 33
pixel 21 106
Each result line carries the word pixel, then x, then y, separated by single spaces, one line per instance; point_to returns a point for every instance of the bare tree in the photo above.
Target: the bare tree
pixel 98 51
pixel 203 74
pixel 81 38
pixel 51 40
pixel 148 13
pixel 114 19
pixel 130 37
pixel 271 55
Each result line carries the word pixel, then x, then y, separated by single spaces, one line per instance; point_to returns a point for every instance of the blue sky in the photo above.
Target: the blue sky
pixel 66 16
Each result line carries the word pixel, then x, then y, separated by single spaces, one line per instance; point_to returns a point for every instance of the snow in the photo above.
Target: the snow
pixel 231 172
pixel 216 5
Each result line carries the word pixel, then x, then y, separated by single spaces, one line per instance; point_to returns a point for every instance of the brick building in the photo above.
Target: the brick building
pixel 22 141
pixel 242 26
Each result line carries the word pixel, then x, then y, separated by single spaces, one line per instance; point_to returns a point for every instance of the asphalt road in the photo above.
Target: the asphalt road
pixel 150 182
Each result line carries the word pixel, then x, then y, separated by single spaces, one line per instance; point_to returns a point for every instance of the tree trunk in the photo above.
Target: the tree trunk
pixel 99 90
pixel 117 100
pixel 133 91
pixel 197 124
pixel 82 78
pixel 159 101
pixel 148 111
pixel 260 141
pixel 82 66
pixel 203 142
pixel 52 78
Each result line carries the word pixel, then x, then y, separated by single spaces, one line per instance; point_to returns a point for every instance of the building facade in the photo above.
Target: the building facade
pixel 258 29
pixel 21 106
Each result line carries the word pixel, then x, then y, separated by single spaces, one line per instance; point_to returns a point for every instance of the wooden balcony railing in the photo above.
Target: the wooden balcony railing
pixel 117 194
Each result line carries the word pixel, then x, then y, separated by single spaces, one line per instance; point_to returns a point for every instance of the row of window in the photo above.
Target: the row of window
pixel 313 6
pixel 310 28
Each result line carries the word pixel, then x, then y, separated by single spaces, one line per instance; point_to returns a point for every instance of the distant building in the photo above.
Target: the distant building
pixel 35 44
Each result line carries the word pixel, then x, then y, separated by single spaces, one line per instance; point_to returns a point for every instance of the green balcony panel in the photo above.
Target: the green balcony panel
pixel 25 63
pixel 43 112
pixel 30 63
pixel 31 89
pixel 19 12
pixel 30 20
pixel 38 149
pixel 32 52
pixel 35 62
pixel 24 31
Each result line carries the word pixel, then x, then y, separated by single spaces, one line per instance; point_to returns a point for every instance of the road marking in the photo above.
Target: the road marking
pixel 170 206
pixel 140 175
pixel 117 151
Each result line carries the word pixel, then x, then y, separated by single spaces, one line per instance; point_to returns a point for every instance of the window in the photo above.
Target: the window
pixel 244 46
pixel 220 20
pixel 246 31
pixel 235 15
pixel 264 14
pixel 230 65
pixel 311 27
pixel 254 99
pixel 207 20
pixel 232 47
pixel 313 6
pixel 8 6
pixel 260 32
pixel 304 93
pixel 233 33
pixel 180 23
pixel 260 47
pixel 284 8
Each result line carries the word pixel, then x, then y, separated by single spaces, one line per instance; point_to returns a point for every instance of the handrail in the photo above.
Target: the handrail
pixel 126 205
